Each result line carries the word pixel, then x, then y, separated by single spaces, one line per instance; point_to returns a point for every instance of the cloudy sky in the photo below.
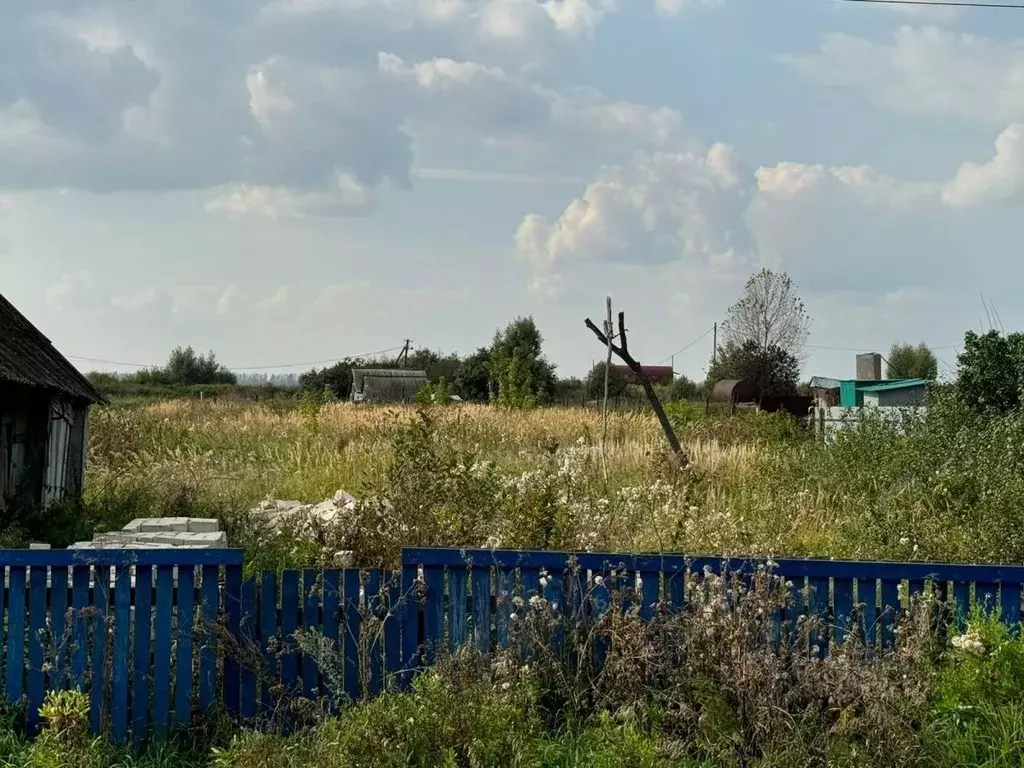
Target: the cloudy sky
pixel 286 181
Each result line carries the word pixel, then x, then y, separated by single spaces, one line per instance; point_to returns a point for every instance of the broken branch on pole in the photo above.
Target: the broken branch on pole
pixel 621 350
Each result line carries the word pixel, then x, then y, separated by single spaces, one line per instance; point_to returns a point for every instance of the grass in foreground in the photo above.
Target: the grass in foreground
pixel 701 689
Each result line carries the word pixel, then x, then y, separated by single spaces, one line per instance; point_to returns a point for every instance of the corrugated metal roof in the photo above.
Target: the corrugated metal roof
pixel 27 357
pixel 886 386
pixel 824 382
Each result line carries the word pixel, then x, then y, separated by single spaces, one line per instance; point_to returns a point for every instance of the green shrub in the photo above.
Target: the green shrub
pixel 605 744
pixel 977 717
pixel 65 741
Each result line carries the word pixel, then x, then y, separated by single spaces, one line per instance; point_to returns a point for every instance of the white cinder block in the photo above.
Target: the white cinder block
pixel 203 525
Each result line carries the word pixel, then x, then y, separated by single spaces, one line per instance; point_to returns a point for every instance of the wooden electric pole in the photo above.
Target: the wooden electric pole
pixel 622 351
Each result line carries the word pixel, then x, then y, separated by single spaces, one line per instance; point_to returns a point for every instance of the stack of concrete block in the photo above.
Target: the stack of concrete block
pixel 160 533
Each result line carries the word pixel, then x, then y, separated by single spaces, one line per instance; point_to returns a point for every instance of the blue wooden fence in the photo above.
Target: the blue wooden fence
pixel 158 637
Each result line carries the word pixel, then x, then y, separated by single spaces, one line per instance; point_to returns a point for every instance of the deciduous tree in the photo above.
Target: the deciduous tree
pixel 907 361
pixel 770 313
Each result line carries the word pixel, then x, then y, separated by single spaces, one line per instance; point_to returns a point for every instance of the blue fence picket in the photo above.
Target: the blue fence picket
pixel 268 639
pixel 918 590
pixel 530 578
pixel 504 594
pixel 353 630
pixel 867 598
pixel 100 605
pixel 818 607
pixel 890 611
pixel 843 621
pixel 210 612
pixel 80 628
pixel 598 603
pixel 121 651
pixel 163 623
pixel 410 609
pixel 393 629
pixel 794 610
pixel 289 623
pixel 140 657
pixel 433 612
pixel 575 608
pixel 555 595
pixel 15 687
pixel 310 623
pixel 373 646
pixel 331 611
pixel 961 603
pixel 249 634
pixel 480 583
pixel 58 625
pixel 184 662
pixel 1009 603
pixel 36 686
pixel 233 613
pixel 985 595
pixel 650 592
pixel 457 616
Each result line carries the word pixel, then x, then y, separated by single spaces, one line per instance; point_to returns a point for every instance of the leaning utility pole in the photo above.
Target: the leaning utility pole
pixel 622 351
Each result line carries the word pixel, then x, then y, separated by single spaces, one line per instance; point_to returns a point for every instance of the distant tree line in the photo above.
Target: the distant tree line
pixel 512 371
pixel 184 368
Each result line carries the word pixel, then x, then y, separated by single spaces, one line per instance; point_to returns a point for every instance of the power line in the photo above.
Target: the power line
pixel 861 349
pixel 314 362
pixel 242 368
pixel 941 3
pixel 108 362
pixel 680 351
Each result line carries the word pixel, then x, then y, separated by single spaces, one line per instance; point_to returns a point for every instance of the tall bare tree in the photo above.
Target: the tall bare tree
pixel 770 313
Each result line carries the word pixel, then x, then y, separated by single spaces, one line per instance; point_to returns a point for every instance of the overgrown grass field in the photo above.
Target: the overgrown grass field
pixel 947 486
pixel 702 688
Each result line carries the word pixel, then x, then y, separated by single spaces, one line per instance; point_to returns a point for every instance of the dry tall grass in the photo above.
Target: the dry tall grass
pixel 943 490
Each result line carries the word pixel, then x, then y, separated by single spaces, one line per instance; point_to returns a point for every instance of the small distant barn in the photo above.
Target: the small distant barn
pixel 658 374
pixel 44 408
pixel 386 385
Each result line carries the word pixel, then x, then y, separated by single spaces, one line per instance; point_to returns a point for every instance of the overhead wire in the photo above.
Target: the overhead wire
pixel 680 351
pixel 941 3
pixel 244 367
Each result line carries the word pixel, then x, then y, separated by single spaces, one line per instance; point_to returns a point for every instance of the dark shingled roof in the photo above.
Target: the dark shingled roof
pixel 27 357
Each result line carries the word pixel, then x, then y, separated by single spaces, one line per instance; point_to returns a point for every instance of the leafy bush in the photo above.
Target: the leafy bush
pixel 977 716
pixel 65 741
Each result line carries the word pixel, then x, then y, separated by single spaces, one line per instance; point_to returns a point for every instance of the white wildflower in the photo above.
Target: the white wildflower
pixel 513 617
pixel 505 686
pixel 969 643
pixel 599 580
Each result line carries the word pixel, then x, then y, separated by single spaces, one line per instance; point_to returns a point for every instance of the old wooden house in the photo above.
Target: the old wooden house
pixel 44 407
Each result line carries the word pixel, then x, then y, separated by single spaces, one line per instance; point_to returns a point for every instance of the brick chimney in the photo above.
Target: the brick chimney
pixel 869 367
